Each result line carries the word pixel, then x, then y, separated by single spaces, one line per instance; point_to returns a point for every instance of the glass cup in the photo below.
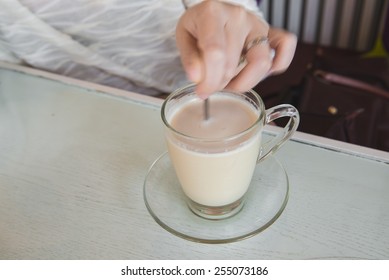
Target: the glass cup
pixel 215 158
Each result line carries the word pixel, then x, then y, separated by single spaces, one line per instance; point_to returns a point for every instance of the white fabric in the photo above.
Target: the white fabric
pixel 120 43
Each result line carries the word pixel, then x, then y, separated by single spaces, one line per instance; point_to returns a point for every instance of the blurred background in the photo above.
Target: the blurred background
pixel 339 77
pixel 352 24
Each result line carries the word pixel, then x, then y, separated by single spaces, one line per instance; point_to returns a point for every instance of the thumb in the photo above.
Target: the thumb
pixel 190 55
pixel 193 65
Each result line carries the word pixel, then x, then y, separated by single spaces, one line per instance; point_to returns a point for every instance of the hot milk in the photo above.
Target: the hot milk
pixel 214 175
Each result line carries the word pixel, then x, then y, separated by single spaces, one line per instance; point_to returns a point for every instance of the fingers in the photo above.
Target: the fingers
pixel 284 44
pixel 221 55
pixel 201 42
pixel 211 36
pixel 211 42
pixel 258 65
pixel 263 61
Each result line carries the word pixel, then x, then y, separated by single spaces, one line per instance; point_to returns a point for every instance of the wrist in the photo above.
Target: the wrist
pixel 250 5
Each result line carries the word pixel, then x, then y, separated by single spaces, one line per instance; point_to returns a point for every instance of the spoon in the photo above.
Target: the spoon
pixel 206 109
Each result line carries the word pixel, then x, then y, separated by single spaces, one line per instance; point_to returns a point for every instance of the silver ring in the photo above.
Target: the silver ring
pixel 261 40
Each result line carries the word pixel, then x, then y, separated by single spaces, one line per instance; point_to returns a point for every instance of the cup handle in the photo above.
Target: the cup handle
pixel 276 112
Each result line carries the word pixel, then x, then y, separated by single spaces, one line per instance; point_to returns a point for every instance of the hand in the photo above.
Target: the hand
pixel 211 37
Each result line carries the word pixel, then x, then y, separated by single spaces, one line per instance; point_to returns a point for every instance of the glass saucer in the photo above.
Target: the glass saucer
pixel 266 199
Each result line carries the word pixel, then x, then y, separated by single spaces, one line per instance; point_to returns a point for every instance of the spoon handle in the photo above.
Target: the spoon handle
pixel 206 109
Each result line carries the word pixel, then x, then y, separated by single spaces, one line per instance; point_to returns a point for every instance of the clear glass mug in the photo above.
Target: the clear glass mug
pixel 215 171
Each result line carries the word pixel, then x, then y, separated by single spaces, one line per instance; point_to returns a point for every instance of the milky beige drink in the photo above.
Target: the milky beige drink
pixel 214 172
pixel 215 159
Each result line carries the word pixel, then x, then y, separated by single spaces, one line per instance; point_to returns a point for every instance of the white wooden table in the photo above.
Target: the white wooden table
pixel 74 155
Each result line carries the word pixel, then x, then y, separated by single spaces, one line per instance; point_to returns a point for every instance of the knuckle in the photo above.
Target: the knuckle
pixel 210 6
pixel 239 12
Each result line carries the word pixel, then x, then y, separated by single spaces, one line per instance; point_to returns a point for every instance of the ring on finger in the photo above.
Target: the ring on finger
pixel 258 41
